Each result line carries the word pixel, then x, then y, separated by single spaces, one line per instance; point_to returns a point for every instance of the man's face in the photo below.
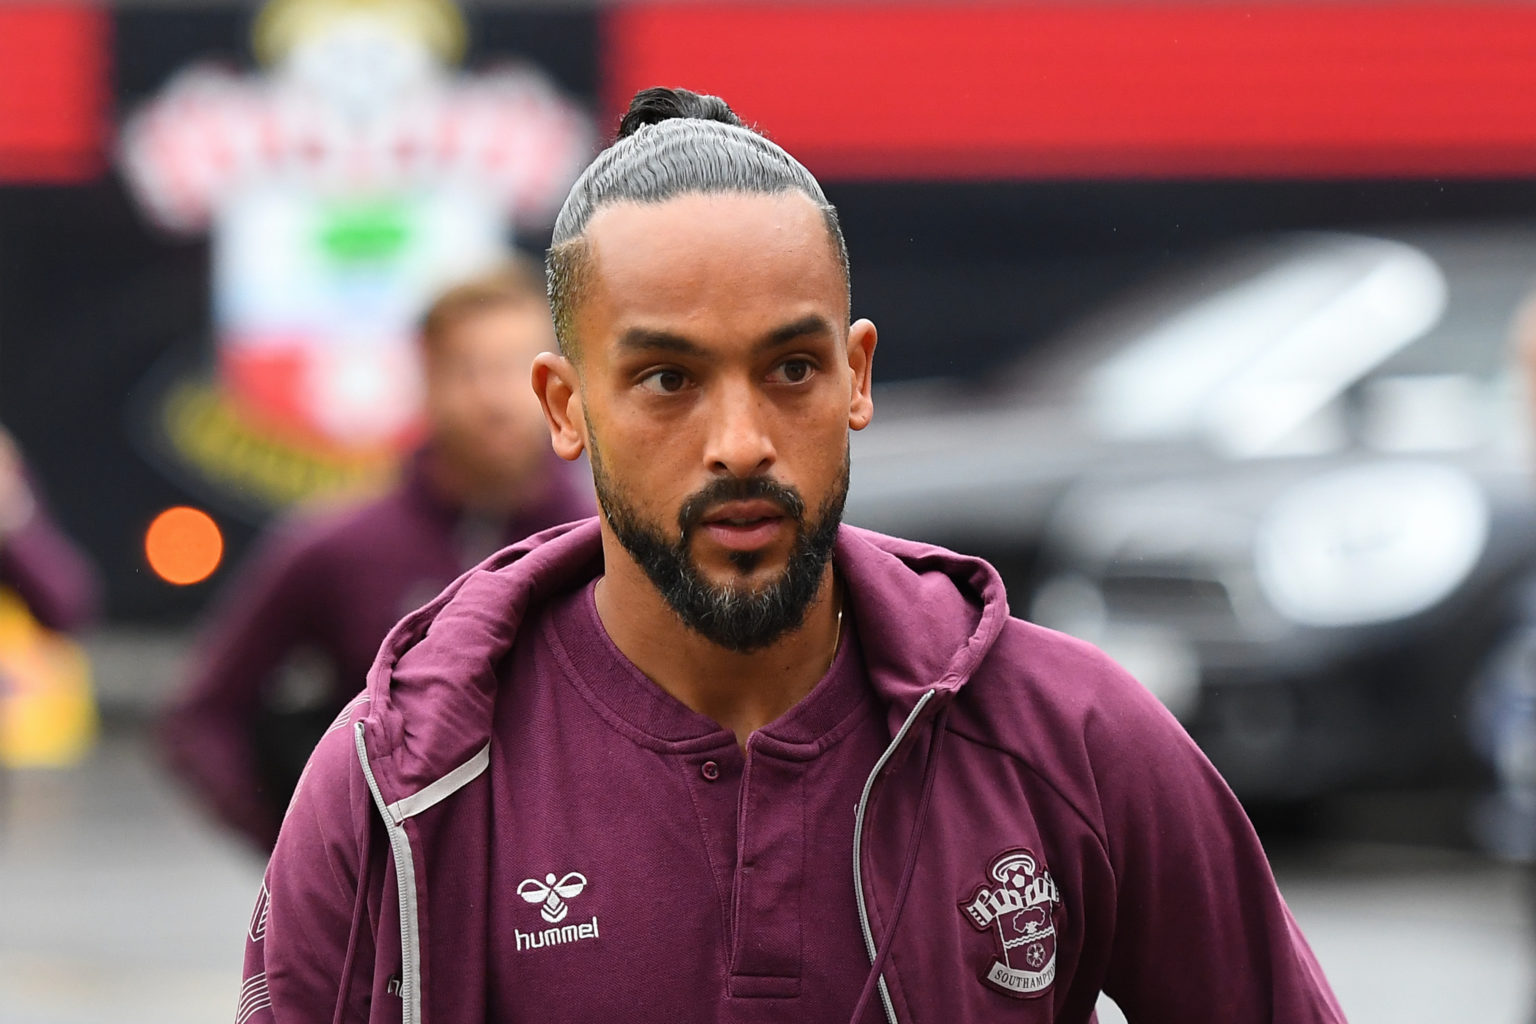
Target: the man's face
pixel 718 383
pixel 479 409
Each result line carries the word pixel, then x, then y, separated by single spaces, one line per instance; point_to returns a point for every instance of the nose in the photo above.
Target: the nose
pixel 740 442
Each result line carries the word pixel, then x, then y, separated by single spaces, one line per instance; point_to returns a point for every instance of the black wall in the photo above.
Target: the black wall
pixel 959 277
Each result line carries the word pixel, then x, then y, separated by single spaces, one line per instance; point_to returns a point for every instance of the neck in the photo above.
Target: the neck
pixel 743 692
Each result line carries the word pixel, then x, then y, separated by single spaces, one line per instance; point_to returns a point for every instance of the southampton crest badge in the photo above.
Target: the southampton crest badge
pixel 1017 903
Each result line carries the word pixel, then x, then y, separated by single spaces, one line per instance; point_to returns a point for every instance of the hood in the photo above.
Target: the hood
pixel 927 618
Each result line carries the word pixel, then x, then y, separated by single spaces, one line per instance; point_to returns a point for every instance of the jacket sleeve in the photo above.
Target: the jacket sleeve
pixel 206 732
pixel 1202 935
pixel 311 931
pixel 56 581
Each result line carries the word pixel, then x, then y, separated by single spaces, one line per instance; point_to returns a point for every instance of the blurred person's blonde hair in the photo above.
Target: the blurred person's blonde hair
pixel 516 282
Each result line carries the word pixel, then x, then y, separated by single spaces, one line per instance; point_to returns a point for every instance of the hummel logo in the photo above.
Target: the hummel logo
pixel 552 893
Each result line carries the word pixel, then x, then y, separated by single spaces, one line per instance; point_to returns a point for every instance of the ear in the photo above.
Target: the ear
pixel 862 337
pixel 558 386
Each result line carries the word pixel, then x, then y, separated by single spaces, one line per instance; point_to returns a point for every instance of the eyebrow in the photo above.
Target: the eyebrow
pixel 806 326
pixel 645 339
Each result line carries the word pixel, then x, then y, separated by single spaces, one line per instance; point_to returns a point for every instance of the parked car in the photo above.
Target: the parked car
pixel 1289 490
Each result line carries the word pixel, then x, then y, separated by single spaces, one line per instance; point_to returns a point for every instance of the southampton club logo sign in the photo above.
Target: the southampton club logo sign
pixel 1018 903
pixel 341 187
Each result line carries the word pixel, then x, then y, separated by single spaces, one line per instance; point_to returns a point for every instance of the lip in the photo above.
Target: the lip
pixel 758 509
pixel 763 523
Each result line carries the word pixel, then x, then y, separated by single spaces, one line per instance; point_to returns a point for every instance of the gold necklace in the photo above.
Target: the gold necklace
pixel 837 635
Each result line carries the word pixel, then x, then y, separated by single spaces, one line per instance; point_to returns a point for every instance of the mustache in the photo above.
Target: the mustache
pixel 729 488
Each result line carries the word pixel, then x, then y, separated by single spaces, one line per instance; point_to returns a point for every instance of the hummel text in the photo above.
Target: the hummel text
pixel 555 936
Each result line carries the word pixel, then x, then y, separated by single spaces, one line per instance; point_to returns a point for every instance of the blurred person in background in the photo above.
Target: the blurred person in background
pixel 48 588
pixel 716 756
pixel 292 638
pixel 51 576
pixel 1502 723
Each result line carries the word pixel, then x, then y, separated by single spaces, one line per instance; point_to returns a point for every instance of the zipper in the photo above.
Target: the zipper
pixel 405 878
pixel 741 844
pixel 858 848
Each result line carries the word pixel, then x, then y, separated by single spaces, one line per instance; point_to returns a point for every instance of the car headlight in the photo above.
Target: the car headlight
pixel 1370 543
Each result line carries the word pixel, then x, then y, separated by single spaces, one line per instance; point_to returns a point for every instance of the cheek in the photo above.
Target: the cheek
pixel 827 478
pixel 653 433
pixel 653 465
pixel 815 442
pixel 518 404
pixel 444 403
pixel 531 420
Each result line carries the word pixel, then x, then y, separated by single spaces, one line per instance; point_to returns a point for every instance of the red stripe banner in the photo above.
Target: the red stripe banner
pixel 53 92
pixel 1113 89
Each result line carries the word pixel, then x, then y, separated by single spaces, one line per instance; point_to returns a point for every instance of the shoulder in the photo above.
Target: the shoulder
pixel 321 532
pixel 355 522
pixel 310 939
pixel 1072 716
pixel 1064 684
pixel 328 817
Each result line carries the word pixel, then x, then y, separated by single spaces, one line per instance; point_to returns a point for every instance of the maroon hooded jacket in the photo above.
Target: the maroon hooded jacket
pixel 1036 830
pixel 329 586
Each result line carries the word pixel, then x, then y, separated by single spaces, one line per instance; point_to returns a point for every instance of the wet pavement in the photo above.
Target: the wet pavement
pixel 118 903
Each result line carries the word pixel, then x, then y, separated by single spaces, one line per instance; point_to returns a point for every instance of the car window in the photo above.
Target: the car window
pixel 1249 366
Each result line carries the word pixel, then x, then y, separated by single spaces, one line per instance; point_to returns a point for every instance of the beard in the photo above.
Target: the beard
pixel 737 616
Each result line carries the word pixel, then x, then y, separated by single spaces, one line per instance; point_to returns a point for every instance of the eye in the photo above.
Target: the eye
pixel 794 371
pixel 664 382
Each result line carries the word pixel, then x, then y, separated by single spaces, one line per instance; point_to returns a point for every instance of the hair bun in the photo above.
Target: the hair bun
pixel 657 104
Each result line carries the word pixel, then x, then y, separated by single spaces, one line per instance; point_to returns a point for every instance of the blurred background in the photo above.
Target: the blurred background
pixel 1202 319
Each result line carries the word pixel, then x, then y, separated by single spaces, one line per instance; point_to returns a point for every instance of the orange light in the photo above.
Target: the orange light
pixel 183 545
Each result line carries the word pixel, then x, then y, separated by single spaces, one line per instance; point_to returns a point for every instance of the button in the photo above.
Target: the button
pixel 710 770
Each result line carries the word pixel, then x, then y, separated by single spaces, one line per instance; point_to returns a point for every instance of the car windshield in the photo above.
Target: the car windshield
pixel 1299 344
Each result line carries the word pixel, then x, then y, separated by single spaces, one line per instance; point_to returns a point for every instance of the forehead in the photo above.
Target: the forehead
pixel 713 257
pixel 513 326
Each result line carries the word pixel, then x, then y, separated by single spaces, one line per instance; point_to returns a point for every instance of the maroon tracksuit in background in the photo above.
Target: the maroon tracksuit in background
pixel 513 824
pixel 54 580
pixel 327 588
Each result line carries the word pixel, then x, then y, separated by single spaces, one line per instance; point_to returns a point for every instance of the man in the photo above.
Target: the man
pixel 292 641
pixel 715 757
pixel 56 582
pixel 48 587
